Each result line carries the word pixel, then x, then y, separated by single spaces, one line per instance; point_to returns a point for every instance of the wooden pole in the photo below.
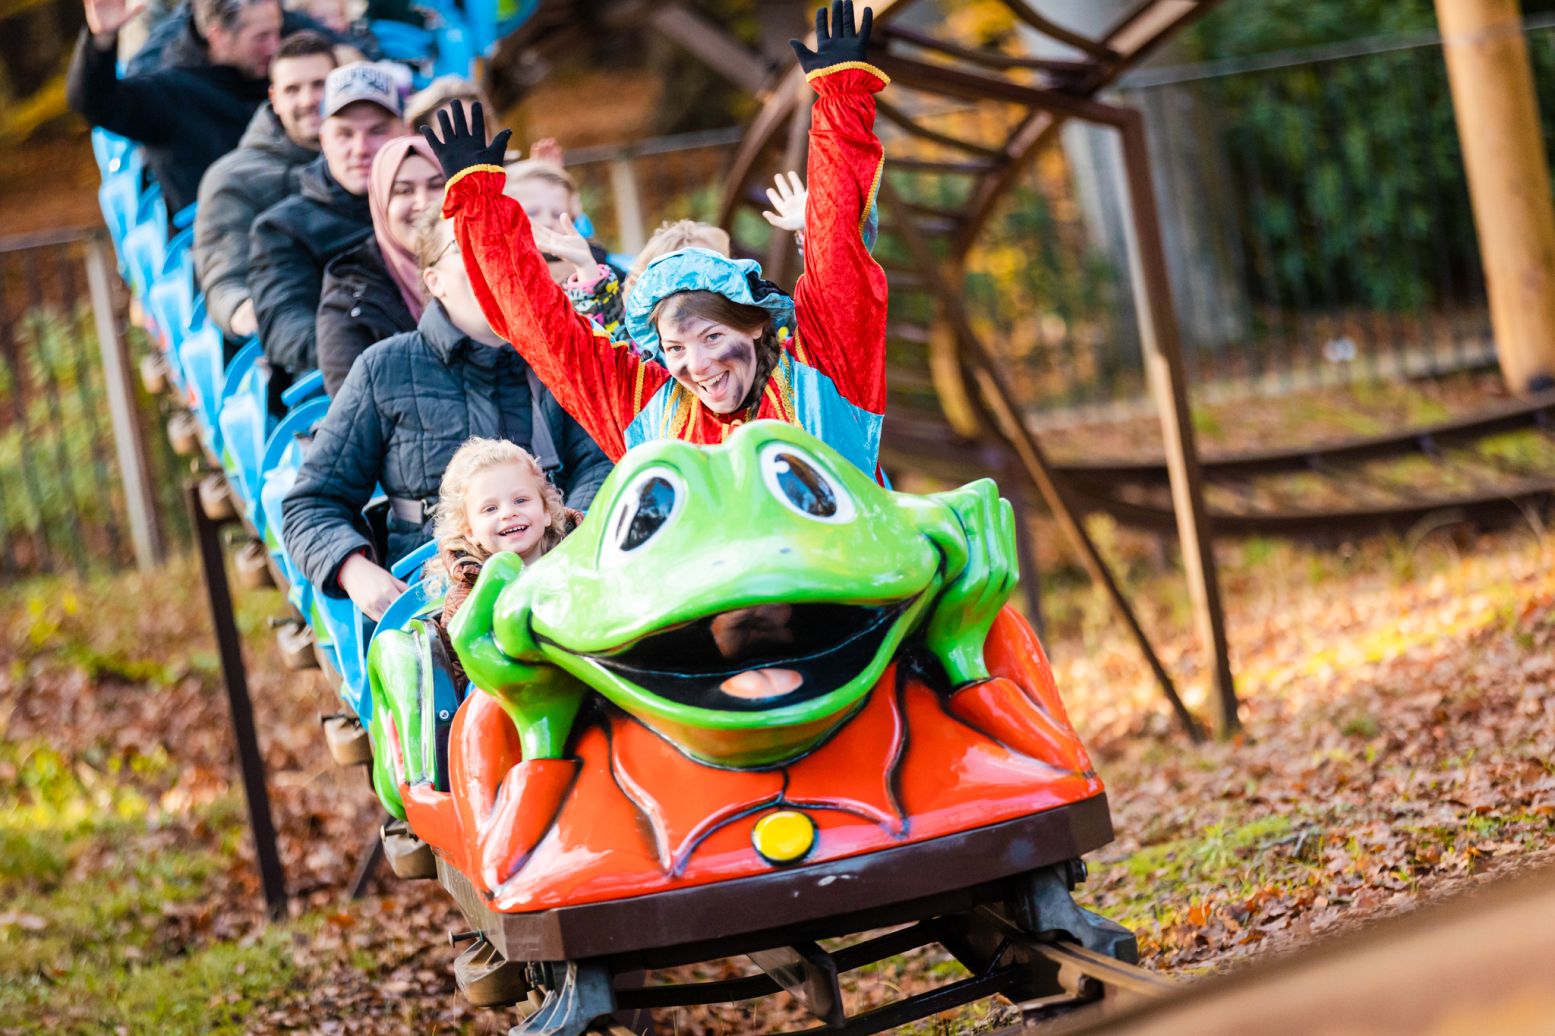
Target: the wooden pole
pixel 134 469
pixel 1169 386
pixel 1509 182
pixel 630 232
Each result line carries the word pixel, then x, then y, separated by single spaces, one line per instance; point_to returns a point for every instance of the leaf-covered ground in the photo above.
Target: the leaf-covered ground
pixel 1398 746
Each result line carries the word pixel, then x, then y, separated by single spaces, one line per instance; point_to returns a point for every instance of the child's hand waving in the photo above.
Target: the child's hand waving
pixel 562 240
pixel 788 201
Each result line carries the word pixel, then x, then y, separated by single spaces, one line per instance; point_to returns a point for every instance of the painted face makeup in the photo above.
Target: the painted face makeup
pixel 713 360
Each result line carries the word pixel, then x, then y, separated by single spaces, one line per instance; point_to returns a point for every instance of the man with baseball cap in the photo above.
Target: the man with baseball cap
pixel 292 241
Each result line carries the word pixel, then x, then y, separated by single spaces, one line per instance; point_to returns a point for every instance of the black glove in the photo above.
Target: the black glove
pixel 463 146
pixel 838 44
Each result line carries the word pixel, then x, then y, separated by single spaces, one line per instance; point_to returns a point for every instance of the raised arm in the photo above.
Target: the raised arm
pixel 139 107
pixel 840 299
pixel 601 384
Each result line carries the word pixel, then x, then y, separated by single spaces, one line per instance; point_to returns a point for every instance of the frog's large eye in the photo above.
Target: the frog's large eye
pixel 646 506
pixel 801 483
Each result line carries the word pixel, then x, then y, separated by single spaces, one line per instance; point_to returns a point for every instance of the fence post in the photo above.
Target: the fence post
pixel 134 472
pixel 630 235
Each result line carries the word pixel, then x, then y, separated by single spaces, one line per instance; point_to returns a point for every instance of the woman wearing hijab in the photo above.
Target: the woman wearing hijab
pixel 374 290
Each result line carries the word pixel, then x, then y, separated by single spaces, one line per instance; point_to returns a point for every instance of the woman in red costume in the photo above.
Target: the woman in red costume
pixel 724 363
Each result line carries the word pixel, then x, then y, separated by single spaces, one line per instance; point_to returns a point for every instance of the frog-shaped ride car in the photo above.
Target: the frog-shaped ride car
pixel 752 669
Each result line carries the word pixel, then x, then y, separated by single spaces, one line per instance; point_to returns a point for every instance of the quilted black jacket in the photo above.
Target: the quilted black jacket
pixel 410 402
pixel 289 246
pixel 360 305
pixel 234 191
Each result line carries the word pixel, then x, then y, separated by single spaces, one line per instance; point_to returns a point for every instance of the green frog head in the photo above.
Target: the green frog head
pixel 741 599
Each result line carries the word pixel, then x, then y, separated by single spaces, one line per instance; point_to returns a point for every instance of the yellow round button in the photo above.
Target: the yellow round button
pixel 784 836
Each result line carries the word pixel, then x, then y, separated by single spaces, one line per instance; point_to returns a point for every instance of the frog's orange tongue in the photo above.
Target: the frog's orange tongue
pixel 755 684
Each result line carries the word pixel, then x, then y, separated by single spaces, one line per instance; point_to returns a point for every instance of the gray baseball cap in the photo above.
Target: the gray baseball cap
pixel 362 81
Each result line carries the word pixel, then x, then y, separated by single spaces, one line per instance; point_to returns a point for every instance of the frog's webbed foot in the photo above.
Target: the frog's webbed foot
pixel 969 603
pixel 526 804
pixel 492 636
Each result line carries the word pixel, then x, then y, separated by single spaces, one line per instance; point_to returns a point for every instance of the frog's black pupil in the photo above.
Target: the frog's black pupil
pixel 805 487
pixel 655 500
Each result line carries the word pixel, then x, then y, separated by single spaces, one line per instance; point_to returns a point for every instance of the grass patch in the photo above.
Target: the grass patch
pixel 91 893
pixel 1165 878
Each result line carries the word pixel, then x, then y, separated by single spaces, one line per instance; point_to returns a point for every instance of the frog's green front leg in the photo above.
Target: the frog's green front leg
pixel 967 606
pixel 502 659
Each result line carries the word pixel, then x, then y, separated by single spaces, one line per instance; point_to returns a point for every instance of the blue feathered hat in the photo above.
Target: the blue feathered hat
pixel 699 269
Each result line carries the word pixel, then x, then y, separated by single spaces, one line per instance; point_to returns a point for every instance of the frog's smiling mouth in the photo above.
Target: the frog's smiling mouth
pixel 758 658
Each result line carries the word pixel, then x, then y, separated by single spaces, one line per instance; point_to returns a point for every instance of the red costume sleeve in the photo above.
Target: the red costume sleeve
pixel 840 300
pixel 602 385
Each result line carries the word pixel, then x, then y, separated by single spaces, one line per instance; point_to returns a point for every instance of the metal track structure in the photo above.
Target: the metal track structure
pixel 951 390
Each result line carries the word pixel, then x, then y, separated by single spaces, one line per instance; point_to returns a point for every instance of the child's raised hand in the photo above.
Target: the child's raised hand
pixel 562 240
pixel 788 201
pixel 462 144
pixel 546 150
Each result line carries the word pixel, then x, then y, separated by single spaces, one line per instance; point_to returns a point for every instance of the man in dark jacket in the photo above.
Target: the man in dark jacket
pixel 283 138
pixel 189 115
pixel 406 407
pixel 172 41
pixel 291 242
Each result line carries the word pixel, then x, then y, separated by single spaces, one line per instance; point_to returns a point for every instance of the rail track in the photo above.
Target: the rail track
pixel 1315 491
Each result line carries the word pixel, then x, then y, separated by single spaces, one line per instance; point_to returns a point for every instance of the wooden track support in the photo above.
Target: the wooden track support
pixel 1004 414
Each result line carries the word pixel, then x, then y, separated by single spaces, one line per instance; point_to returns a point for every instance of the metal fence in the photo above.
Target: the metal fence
pixel 63 502
pixel 1317 224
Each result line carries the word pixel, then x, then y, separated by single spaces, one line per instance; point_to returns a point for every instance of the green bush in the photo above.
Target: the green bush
pixel 1348 169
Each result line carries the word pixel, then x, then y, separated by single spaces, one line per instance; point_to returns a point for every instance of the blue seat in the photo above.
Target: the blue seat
pixel 308 386
pixel 346 632
pixel 145 243
pixel 408 568
pixel 246 423
pixel 200 357
pixel 171 297
pixel 420 601
pixel 122 167
pixel 110 150
pixel 278 473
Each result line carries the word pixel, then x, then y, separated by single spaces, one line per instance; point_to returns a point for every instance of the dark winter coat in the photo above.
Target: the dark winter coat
pixel 360 305
pixel 235 190
pixel 405 408
pixel 290 245
pixel 186 116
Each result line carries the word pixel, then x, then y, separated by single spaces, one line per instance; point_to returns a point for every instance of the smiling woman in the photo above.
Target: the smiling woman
pixel 724 364
pixel 719 347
